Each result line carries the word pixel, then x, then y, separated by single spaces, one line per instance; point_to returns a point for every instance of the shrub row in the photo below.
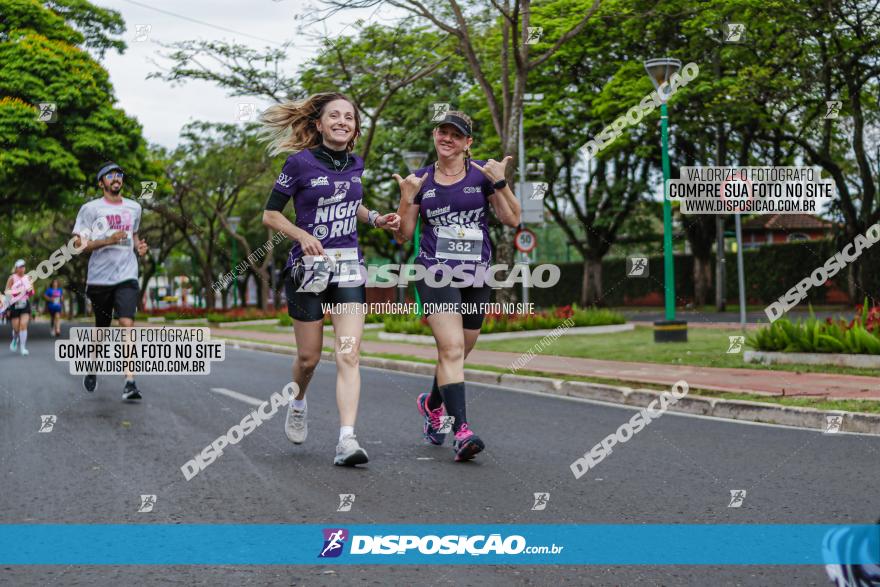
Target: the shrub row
pixel 861 335
pixel 547 319
pixel 770 271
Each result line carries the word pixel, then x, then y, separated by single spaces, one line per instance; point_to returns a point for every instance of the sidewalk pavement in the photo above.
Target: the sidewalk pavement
pixel 756 381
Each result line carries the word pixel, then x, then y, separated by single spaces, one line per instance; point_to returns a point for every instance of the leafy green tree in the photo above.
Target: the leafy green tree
pixel 49 154
pixel 214 173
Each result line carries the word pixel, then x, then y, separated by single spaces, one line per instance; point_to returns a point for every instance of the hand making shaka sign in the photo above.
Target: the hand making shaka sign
pixel 494 170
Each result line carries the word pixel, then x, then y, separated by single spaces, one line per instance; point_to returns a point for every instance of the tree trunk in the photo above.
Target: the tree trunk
pixel 720 267
pixel 504 249
pixel 702 280
pixel 277 288
pixel 585 284
pixel 591 285
pixel 263 288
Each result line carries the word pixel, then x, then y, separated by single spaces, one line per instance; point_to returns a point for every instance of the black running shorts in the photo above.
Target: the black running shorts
pixel 16 312
pixel 308 307
pixel 121 298
pixel 463 300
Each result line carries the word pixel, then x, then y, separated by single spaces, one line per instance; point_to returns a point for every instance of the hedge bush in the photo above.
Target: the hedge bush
pixel 770 271
pixel 241 315
pixel 860 335
pixel 547 319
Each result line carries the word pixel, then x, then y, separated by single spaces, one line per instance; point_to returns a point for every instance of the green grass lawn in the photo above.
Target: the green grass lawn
pixel 856 405
pixel 869 406
pixel 732 309
pixel 706 347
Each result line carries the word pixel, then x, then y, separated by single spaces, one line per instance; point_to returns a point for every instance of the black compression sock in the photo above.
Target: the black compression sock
pixel 453 398
pixel 435 400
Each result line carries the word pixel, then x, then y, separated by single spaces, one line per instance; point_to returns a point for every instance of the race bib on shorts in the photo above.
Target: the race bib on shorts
pixel 21 305
pixel 317 274
pixel 458 242
pixel 348 267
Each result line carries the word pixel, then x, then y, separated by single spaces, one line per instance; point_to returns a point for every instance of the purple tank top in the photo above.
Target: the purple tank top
pixel 455 219
pixel 325 202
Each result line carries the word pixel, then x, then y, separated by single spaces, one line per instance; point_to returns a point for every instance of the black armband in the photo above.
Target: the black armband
pixel 277 201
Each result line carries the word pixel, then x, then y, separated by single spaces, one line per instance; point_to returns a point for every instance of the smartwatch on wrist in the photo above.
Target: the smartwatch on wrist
pixel 372 216
pixel 500 184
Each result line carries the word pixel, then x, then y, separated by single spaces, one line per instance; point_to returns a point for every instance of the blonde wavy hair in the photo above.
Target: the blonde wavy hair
pixel 290 126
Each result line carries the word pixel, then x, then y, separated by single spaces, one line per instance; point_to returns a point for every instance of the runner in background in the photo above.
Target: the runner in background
pixel 19 290
pixel 112 281
pixel 54 304
pixel 323 177
pixel 453 197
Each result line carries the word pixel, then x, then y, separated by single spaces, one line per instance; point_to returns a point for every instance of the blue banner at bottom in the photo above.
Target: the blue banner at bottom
pixel 280 544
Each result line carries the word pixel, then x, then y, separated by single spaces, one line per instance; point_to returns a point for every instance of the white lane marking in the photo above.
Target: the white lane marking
pixel 424 458
pixel 239 396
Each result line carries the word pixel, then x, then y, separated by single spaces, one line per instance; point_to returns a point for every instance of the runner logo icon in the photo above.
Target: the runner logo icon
pixel 541 500
pixel 47 423
pixel 446 423
pixel 832 424
pixel 334 541
pixel 148 502
pixel 737 497
pixel 341 189
pixel 736 344
pixel 320 181
pixel 346 500
pixel 637 266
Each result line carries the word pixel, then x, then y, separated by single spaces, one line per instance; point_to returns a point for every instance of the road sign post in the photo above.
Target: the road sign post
pixel 525 242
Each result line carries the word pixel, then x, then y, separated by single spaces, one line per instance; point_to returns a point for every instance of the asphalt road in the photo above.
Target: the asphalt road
pixel 104 453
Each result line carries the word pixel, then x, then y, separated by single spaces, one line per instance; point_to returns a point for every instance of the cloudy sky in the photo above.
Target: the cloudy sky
pixel 163 109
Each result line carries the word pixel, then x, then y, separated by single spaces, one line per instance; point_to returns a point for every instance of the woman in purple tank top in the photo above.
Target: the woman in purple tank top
pixel 325 266
pixel 453 198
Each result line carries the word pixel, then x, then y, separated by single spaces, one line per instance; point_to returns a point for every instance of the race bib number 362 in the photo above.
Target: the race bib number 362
pixel 458 242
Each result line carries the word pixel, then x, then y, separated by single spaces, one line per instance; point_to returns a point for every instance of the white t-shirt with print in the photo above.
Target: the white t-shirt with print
pixel 114 263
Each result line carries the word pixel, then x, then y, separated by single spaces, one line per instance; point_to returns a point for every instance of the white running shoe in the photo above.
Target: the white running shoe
pixel 295 426
pixel 13 346
pixel 349 452
pixel 24 352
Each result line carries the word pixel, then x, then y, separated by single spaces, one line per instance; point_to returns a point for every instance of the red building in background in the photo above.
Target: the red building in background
pixel 784 228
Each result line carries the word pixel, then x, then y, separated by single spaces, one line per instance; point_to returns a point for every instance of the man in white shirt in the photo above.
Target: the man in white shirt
pixel 112 282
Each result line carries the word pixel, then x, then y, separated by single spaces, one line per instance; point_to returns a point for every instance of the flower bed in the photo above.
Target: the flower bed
pixel 242 314
pixel 216 316
pixel 173 313
pixel 546 319
pixel 861 335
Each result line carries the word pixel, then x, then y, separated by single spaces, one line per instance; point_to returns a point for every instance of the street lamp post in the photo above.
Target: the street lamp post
pixel 195 241
pixel 670 329
pixel 154 253
pixel 528 98
pixel 414 160
pixel 234 221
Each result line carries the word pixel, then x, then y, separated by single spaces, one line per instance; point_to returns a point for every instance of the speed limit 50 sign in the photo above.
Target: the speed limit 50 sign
pixel 525 241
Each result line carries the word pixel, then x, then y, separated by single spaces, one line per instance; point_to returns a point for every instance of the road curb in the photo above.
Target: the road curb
pixel 837 359
pixel 799 417
pixel 589 330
